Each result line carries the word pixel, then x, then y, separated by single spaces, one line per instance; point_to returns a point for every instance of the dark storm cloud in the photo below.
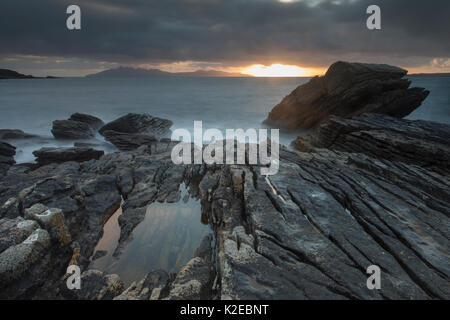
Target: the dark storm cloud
pixel 229 31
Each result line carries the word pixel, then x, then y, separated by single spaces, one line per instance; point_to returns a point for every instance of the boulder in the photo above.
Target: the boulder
pixel 69 129
pixel 94 122
pixel 15 231
pixel 58 155
pixel 139 123
pixel 15 260
pixel 128 141
pixel 15 134
pixel 347 90
pixel 51 219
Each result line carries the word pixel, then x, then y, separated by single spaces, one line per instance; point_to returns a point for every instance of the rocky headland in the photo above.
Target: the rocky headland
pixel 11 74
pixel 347 90
pixel 370 190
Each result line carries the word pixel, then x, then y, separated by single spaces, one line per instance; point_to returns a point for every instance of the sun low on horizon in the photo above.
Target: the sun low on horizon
pixel 278 70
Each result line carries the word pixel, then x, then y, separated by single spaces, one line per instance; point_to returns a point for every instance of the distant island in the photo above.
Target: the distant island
pixel 144 73
pixel 11 74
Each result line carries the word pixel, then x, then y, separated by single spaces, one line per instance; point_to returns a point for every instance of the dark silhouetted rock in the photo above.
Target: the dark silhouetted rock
pixel 59 155
pixel 10 74
pixel 128 141
pixel 139 123
pixel 7 153
pixel 7 150
pixel 94 122
pixel 346 90
pixel 68 129
pixel 15 134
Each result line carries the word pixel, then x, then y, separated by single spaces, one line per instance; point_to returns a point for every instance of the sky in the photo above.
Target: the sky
pixel 227 35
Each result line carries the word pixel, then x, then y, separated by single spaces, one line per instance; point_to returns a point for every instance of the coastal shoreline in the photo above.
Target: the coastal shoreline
pixel 360 190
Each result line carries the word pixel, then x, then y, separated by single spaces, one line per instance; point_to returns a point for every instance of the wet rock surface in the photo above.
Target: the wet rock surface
pixel 134 130
pixel 153 287
pixel 422 143
pixel 94 122
pixel 308 232
pixel 139 123
pixel 128 141
pixel 63 154
pixel 78 126
pixel 69 129
pixel 347 90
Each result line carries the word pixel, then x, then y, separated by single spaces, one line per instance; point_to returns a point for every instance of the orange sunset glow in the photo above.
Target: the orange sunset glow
pixel 280 70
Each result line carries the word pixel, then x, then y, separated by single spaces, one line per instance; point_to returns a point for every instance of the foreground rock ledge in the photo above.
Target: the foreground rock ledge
pixel 309 232
pixel 48 155
pixel 418 142
pixel 347 90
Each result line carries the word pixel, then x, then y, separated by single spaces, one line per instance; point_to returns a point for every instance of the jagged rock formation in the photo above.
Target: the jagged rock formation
pixel 134 130
pixel 308 232
pixel 139 123
pixel 417 142
pixel 68 129
pixel 94 122
pixel 347 90
pixel 78 126
pixel 58 155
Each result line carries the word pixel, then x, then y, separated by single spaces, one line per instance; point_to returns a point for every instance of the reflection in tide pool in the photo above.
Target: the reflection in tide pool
pixel 166 239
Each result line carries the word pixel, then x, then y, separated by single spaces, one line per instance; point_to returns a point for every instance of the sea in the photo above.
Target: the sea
pixel 223 103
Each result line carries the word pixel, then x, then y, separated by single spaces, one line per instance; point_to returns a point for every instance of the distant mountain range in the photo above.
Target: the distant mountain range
pixel 147 73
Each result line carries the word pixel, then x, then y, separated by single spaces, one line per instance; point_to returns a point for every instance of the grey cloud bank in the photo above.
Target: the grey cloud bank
pixel 230 33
